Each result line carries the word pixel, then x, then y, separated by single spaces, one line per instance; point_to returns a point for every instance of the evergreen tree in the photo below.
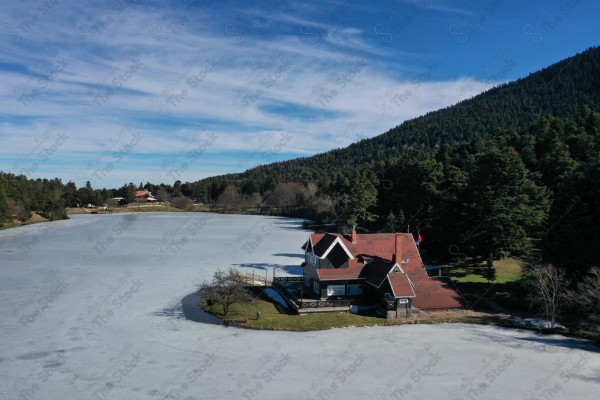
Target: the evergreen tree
pixel 127 192
pixel 363 195
pixel 505 208
pixel 392 222
pixel 5 215
pixel 70 197
pixel 574 224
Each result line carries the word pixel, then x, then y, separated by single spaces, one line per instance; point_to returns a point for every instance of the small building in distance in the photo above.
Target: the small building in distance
pixel 117 201
pixel 144 196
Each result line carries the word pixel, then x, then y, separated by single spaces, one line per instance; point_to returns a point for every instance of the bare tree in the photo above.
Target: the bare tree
pixel 182 202
pixel 586 296
pixel 286 196
pixel 226 289
pixel 162 195
pixel 230 198
pixel 255 200
pixel 549 290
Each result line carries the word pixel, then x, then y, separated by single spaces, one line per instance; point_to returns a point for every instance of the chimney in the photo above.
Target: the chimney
pixel 353 235
pixel 398 248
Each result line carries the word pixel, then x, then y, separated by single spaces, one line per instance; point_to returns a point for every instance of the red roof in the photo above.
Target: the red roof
pixel 323 243
pixel 401 285
pixel 435 293
pixel 430 293
pixel 352 272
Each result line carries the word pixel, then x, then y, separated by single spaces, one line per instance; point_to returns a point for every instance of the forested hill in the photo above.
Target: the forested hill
pixel 511 171
pixel 560 90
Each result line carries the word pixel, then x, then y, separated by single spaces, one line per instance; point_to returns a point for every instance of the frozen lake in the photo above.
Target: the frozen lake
pixel 91 308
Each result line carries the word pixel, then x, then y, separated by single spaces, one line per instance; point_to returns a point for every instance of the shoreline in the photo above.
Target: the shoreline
pixel 35 219
pixel 504 320
pixel 290 322
pixel 38 219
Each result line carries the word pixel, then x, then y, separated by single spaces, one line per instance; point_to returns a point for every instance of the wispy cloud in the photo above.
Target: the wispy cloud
pixel 175 75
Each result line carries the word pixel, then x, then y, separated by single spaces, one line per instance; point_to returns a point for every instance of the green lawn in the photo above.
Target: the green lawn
pixel 503 291
pixel 275 318
pixel 507 270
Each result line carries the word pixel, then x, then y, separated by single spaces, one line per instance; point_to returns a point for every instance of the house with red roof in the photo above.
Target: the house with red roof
pixel 144 196
pixel 385 267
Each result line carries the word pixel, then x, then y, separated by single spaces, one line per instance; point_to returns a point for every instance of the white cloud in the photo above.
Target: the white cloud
pixel 244 91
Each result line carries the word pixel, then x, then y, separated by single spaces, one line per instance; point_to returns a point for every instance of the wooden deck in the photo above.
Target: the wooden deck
pixel 308 302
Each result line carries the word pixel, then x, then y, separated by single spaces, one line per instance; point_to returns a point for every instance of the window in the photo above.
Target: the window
pixel 316 287
pixel 336 290
pixel 403 301
pixel 404 261
pixel 354 290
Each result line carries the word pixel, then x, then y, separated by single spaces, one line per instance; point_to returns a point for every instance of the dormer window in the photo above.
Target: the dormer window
pixel 404 261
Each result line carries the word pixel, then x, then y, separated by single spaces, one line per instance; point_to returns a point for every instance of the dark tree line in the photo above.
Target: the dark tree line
pixel 21 196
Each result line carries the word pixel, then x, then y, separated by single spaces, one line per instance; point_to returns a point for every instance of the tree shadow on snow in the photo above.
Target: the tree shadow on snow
pixel 290 223
pixel 555 339
pixel 544 342
pixel 189 308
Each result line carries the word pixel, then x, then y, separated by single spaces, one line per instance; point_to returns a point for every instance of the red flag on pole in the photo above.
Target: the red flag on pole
pixel 420 238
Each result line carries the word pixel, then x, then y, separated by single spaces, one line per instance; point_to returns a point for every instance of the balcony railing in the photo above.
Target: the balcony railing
pixel 280 284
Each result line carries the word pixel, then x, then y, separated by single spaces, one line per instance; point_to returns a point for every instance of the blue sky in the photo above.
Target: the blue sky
pixel 119 91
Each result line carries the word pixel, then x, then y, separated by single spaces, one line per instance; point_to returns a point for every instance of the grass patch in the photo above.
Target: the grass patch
pixel 35 218
pixel 506 271
pixel 500 293
pixel 274 317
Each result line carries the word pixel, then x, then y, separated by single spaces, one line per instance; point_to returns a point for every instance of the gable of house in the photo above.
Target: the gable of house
pixel 401 285
pixel 328 243
pixel 372 259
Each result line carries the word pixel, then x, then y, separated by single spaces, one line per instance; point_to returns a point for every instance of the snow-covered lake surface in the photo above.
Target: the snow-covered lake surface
pixel 102 307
